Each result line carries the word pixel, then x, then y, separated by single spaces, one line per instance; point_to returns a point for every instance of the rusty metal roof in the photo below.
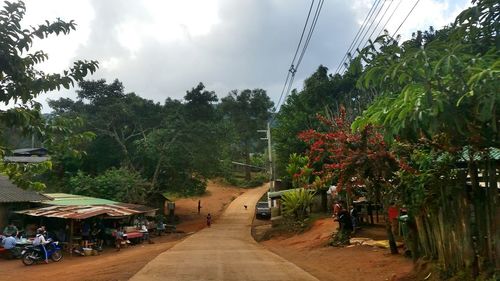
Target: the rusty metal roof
pixel 9 193
pixel 87 211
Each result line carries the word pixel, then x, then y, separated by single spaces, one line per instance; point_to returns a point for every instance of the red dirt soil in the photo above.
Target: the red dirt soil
pixel 114 265
pixel 309 251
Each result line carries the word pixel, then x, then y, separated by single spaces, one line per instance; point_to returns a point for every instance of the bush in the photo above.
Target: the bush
pixel 296 203
pixel 120 185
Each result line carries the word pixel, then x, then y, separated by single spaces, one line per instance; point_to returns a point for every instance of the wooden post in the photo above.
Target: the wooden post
pixel 71 237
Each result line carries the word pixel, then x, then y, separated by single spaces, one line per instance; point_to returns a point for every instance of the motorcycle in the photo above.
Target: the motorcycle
pixel 32 254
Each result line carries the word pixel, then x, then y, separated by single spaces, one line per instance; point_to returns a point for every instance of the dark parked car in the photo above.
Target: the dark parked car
pixel 262 210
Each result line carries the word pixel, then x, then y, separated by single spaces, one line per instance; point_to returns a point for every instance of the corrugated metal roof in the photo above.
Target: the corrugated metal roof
pixel 40 151
pixel 26 159
pixel 88 211
pixel 494 154
pixel 275 194
pixel 65 199
pixel 11 193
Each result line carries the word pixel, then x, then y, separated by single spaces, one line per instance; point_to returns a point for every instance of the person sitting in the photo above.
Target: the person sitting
pixel 9 244
pixel 10 230
pixel 41 242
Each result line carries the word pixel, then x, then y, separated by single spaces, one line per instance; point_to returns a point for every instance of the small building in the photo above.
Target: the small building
pixel 13 198
pixel 67 213
pixel 28 155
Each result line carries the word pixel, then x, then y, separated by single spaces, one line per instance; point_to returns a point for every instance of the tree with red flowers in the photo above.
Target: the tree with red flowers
pixel 353 158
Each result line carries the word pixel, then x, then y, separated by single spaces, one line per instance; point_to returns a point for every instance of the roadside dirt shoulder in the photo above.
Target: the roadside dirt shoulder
pixel 113 265
pixel 309 251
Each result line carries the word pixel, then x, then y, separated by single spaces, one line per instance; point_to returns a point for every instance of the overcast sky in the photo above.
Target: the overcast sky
pixel 160 49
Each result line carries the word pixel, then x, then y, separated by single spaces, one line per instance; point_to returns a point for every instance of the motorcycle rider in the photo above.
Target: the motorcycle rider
pixel 40 242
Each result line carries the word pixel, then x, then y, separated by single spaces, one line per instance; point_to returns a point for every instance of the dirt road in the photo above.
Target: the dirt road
pixel 120 266
pixel 226 251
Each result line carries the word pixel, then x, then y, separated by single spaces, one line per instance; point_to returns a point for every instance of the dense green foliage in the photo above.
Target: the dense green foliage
pixel 436 104
pixel 296 203
pixel 176 146
pixel 121 185
pixel 21 81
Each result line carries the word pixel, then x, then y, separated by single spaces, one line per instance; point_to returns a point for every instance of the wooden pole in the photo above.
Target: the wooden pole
pixel 71 237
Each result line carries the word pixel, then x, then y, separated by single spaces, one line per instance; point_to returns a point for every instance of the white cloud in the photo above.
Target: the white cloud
pixel 160 49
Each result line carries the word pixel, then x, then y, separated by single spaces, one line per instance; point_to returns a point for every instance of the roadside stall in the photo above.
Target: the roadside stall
pixel 86 222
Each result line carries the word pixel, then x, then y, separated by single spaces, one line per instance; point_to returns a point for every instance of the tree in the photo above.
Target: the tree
pixel 247 112
pixel 322 94
pixel 440 99
pixel 121 185
pixel 20 80
pixel 353 159
pixel 117 118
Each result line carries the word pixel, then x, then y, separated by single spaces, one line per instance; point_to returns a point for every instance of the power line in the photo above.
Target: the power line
pixel 376 26
pixel 296 52
pixel 357 34
pixel 382 17
pixel 293 69
pixel 405 18
pixel 311 30
pixel 369 27
pixel 360 30
pixel 303 31
pixel 390 17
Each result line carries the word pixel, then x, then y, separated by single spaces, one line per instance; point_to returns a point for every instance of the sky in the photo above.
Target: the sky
pixel 161 49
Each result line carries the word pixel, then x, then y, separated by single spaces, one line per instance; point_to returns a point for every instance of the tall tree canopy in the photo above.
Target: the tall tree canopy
pixel 247 112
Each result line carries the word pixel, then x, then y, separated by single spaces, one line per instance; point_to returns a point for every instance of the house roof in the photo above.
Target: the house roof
pixel 65 199
pixel 87 211
pixel 73 206
pixel 26 159
pixel 40 151
pixel 11 193
pixel 276 194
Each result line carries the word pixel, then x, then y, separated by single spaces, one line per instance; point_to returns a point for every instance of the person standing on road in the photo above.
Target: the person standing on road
pixel 199 206
pixel 209 220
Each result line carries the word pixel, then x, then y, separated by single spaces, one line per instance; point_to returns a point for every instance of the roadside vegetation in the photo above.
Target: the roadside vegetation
pixel 416 122
pixel 115 144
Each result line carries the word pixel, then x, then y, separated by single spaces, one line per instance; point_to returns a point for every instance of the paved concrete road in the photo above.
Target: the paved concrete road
pixel 226 251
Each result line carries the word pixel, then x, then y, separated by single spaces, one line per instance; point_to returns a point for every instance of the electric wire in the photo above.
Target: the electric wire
pixel 368 29
pixel 311 30
pixel 360 30
pixel 413 8
pixel 357 34
pixel 390 17
pixel 376 27
pixel 296 52
pixel 293 68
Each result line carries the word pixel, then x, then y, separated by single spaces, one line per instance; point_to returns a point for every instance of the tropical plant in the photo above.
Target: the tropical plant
pixel 297 202
pixel 20 79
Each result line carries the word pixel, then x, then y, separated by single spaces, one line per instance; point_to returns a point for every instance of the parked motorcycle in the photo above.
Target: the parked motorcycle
pixel 32 254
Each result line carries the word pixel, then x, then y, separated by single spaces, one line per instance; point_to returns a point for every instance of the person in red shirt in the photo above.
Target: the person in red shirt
pixel 393 213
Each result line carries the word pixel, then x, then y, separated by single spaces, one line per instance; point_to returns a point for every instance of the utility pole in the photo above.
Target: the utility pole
pixel 270 153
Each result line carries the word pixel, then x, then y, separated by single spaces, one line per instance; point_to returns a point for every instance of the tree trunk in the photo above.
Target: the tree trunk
pixel 494 213
pixel 390 236
pixel 475 225
pixel 324 200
